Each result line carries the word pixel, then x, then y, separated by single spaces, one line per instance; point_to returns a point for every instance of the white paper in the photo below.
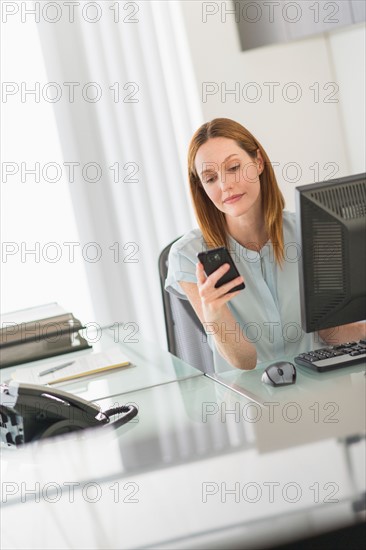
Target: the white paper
pixel 86 363
pixel 32 314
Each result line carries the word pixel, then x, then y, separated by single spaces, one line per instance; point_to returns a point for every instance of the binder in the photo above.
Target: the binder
pixel 38 333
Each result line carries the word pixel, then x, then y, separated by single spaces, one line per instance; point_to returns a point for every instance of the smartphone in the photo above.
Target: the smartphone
pixel 216 257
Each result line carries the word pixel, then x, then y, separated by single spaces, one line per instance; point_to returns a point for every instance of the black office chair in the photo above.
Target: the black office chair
pixel 185 334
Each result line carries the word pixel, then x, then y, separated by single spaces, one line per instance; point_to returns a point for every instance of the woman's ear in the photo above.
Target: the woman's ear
pixel 259 161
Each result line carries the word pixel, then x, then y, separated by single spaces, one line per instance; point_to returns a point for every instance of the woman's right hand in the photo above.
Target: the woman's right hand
pixel 210 304
pixel 214 299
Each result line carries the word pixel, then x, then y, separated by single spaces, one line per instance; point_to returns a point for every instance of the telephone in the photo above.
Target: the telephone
pixel 30 412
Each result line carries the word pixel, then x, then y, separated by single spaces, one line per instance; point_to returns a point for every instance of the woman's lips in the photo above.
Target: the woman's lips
pixel 233 198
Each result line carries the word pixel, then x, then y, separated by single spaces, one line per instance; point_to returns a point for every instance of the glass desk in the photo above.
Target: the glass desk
pixel 308 382
pixel 219 461
pixel 195 469
pixel 150 366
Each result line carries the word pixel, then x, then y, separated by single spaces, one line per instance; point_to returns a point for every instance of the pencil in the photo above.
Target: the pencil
pixel 88 373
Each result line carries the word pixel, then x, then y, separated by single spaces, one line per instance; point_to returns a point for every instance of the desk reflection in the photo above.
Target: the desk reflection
pixel 190 468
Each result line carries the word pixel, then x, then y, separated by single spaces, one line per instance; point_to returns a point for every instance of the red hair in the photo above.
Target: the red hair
pixel 212 221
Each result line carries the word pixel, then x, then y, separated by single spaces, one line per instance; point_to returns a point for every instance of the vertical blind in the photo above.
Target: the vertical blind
pixel 128 110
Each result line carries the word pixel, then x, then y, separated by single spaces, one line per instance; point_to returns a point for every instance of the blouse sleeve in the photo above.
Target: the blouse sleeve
pixel 182 262
pixel 182 265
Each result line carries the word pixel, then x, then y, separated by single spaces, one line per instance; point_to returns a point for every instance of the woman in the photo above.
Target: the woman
pixel 238 204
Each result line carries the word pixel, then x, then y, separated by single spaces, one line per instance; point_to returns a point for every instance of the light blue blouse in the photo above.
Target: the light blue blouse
pixel 267 311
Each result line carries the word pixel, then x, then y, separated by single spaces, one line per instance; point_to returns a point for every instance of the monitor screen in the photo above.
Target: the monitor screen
pixel 331 226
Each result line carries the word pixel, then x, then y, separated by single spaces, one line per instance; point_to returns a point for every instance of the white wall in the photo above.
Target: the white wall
pixel 297 135
pixel 348 49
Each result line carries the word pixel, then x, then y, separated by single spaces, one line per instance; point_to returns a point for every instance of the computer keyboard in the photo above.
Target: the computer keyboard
pixel 334 357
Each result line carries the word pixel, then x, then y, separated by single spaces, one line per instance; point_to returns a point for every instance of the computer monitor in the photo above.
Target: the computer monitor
pixel 331 227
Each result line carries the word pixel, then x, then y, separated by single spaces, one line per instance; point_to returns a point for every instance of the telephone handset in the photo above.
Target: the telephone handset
pixel 30 412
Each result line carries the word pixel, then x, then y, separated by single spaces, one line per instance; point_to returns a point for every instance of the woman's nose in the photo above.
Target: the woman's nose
pixel 226 180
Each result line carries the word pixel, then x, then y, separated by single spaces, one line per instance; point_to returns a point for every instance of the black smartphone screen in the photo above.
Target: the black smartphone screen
pixel 216 257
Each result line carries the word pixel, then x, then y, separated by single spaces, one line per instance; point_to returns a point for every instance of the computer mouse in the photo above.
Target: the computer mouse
pixel 281 373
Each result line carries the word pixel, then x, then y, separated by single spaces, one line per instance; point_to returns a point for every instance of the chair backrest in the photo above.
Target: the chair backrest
pixel 185 334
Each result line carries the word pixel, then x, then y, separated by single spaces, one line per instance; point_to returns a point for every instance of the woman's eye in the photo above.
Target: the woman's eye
pixel 210 180
pixel 234 168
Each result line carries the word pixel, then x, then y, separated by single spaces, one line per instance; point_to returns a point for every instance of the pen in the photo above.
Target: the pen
pixel 56 368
